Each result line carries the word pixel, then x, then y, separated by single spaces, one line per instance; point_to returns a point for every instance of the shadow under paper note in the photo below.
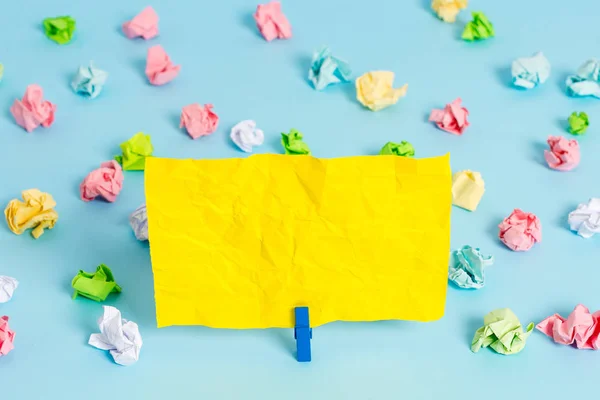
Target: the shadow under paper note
pixel 284 338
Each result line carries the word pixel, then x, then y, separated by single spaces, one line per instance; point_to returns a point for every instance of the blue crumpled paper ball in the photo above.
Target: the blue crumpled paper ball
pixel 529 72
pixel 467 267
pixel 587 80
pixel 88 81
pixel 327 69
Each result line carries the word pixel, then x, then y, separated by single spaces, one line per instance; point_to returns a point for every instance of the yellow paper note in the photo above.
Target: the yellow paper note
pixel 374 90
pixel 238 243
pixel 467 189
pixel 447 10
pixel 35 212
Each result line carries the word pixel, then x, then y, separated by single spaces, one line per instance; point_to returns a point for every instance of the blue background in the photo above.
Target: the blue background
pixel 225 62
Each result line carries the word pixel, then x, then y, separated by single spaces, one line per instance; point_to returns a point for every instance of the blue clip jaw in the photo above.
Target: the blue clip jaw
pixel 302 334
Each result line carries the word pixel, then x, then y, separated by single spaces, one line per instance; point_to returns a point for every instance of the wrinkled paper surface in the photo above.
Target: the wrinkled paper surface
pixel 238 243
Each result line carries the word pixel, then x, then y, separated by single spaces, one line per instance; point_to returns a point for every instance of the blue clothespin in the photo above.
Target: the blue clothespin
pixel 302 334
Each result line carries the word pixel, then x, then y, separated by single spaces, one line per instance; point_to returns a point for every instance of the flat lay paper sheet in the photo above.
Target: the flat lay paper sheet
pixel 238 243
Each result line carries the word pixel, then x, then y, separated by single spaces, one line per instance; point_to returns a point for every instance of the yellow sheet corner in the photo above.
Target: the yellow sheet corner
pixel 238 243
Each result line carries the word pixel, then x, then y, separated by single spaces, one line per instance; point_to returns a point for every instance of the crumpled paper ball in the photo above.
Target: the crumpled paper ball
pixel 564 154
pixel 529 72
pixel 60 29
pixel 293 143
pixel 327 69
pixel 7 336
pixel 106 181
pixel 245 135
pixel 8 286
pixel 585 220
pixel 520 230
pixel 468 188
pixel 586 82
pixel 33 111
pixel 374 90
pixel 95 285
pixel 467 267
pixel 134 152
pixel 578 123
pixel 199 120
pixel 581 328
pixel 119 336
pixel 139 223
pixel 159 67
pixel 35 212
pixel 453 118
pixel 447 10
pixel 144 25
pixel 479 28
pixel 271 21
pixel 402 149
pixel 89 81
pixel 502 331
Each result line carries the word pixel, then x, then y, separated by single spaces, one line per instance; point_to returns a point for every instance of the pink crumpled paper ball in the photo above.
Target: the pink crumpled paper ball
pixel 33 111
pixel 144 25
pixel 6 337
pixel 271 22
pixel 198 120
pixel 564 154
pixel 106 181
pixel 159 68
pixel 520 230
pixel 580 328
pixel 453 118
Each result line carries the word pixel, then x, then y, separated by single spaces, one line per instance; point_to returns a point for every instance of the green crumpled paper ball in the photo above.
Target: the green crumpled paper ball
pixel 479 28
pixel 293 144
pixel 578 123
pixel 95 285
pixel 503 332
pixel 403 149
pixel 134 152
pixel 60 29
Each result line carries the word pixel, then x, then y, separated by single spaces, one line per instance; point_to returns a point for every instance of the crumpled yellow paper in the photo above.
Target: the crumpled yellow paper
pixel 467 189
pixel 238 243
pixel 374 90
pixel 447 10
pixel 36 211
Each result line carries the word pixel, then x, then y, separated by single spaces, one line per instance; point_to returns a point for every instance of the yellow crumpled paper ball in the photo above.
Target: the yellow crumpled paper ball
pixel 447 10
pixel 374 90
pixel 467 189
pixel 36 211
